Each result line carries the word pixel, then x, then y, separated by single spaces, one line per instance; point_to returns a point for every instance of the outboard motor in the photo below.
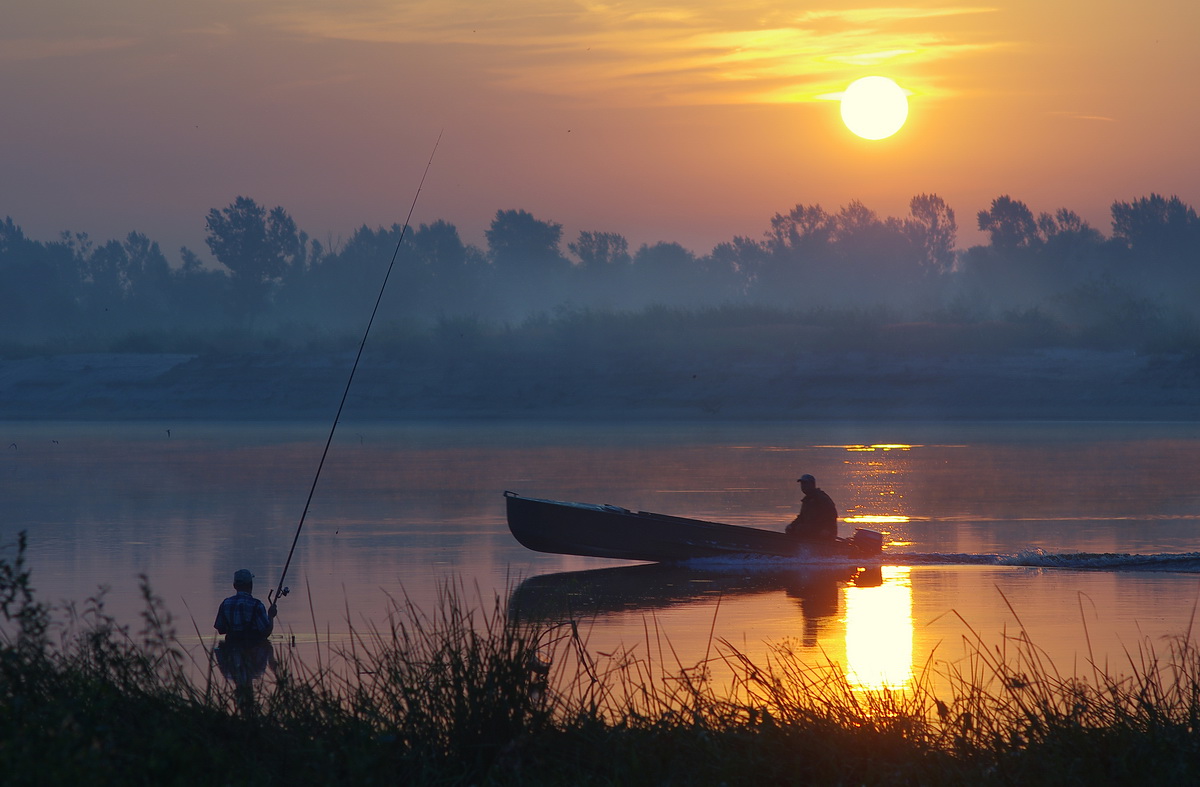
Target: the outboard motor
pixel 868 542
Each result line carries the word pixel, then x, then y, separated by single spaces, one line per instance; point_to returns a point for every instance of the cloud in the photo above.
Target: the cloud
pixel 1081 116
pixel 629 52
pixel 46 48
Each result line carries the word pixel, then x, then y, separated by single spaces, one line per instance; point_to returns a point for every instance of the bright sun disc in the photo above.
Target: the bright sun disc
pixel 874 107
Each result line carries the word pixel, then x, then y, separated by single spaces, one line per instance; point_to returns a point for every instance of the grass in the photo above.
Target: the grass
pixel 467 696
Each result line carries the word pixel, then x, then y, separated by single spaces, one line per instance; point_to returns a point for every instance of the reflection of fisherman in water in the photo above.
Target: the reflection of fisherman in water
pixel 244 663
pixel 246 652
pixel 818 593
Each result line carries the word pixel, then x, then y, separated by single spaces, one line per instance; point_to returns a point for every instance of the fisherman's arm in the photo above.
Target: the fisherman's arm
pixel 267 620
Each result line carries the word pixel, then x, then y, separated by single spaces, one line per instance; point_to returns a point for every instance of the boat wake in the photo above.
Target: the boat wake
pixel 1188 563
pixel 1039 558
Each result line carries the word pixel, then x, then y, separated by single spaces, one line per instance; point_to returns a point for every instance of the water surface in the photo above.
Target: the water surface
pixel 1084 534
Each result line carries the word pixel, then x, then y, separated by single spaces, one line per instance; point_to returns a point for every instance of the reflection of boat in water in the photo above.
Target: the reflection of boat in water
pixel 611 531
pixel 604 591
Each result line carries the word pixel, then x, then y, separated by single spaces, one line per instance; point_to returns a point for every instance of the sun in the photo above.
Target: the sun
pixel 874 107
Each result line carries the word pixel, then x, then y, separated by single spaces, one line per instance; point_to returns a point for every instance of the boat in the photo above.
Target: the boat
pixel 594 530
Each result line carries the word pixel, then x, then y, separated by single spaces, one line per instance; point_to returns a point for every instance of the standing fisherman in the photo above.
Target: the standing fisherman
pixel 246 652
pixel 241 617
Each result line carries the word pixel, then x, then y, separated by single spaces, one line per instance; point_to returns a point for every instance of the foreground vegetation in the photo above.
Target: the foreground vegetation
pixel 461 697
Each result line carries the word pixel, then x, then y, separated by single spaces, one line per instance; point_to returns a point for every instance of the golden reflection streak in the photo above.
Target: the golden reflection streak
pixel 877 519
pixel 879 447
pixel 879 632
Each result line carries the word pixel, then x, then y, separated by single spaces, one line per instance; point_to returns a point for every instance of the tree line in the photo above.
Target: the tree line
pixel 272 277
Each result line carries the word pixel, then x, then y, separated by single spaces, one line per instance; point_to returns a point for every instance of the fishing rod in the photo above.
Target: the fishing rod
pixel 280 590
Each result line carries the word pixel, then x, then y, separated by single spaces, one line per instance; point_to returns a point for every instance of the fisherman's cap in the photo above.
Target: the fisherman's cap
pixel 806 478
pixel 242 577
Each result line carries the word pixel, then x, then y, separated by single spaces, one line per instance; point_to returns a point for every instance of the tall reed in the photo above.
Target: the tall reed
pixel 467 695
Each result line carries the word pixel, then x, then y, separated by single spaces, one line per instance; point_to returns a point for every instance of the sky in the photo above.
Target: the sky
pixel 663 121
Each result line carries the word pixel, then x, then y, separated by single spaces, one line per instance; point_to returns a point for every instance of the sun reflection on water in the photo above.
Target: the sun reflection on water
pixel 876 519
pixel 879 632
pixel 875 488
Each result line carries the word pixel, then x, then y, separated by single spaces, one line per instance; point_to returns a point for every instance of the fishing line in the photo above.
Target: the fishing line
pixel 280 590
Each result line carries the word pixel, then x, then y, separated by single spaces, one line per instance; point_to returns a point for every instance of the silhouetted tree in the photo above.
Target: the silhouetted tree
pixel 1157 227
pixel 798 243
pixel 438 245
pixel 933 231
pixel 127 282
pixel 603 276
pixel 341 288
pixel 1049 268
pixel 196 291
pixel 600 249
pixel 1070 243
pixel 519 243
pixel 854 219
pixel 13 243
pixel 875 259
pixel 1064 222
pixel 1010 225
pixel 454 271
pixel 805 231
pixel 41 284
pixel 1033 261
pixel 666 273
pixel 738 264
pixel 38 286
pixel 105 271
pixel 147 266
pixel 257 247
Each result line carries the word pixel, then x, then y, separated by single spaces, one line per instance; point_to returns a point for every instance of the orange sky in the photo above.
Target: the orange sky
pixel 690 122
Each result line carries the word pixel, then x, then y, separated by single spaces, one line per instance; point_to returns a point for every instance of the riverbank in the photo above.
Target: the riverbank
pixel 464 697
pixel 629 383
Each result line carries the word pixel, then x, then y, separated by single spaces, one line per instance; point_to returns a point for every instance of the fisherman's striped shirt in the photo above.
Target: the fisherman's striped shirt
pixel 243 617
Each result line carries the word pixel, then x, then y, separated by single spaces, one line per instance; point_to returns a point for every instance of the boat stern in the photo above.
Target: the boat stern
pixel 867 542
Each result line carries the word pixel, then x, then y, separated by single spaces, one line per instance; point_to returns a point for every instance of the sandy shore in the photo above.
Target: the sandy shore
pixel 1045 384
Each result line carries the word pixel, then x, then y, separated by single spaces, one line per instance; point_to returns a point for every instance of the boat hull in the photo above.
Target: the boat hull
pixel 593 530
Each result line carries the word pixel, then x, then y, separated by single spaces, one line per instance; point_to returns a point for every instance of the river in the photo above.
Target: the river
pixel 1082 534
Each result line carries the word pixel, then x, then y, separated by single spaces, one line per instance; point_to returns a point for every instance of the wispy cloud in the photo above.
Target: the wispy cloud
pixel 1082 116
pixel 716 52
pixel 45 48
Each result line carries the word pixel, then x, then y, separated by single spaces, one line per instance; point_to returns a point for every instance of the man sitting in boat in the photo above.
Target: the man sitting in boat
pixel 817 520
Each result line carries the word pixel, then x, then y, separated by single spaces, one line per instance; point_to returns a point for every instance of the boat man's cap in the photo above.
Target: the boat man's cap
pixel 806 479
pixel 242 577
